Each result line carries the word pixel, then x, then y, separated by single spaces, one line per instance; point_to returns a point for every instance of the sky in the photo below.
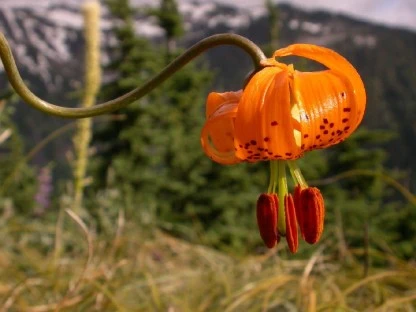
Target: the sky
pixel 399 13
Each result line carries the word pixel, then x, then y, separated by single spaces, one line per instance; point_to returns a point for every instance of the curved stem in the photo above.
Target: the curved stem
pixel 216 40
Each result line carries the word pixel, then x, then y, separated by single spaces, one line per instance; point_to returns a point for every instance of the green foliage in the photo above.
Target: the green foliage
pixel 18 185
pixel 169 18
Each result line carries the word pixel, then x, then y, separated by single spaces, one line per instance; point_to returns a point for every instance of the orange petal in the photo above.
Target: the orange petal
pixel 325 105
pixel 214 100
pixel 264 128
pixel 312 211
pixel 217 136
pixel 347 76
pixel 267 218
pixel 291 225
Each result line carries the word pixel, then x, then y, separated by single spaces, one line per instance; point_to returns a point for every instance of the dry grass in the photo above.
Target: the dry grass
pixel 65 266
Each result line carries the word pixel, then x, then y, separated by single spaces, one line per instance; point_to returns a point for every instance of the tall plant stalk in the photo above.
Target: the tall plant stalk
pixel 82 137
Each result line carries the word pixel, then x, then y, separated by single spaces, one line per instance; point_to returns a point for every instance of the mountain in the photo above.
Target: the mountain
pixel 48 45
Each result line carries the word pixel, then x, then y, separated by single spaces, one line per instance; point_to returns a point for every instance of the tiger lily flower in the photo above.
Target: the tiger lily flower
pixel 281 114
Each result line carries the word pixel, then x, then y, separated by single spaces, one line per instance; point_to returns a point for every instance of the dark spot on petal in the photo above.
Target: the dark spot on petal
pixel 250 152
pixel 343 94
pixel 318 136
pixel 241 146
pixel 326 132
pixel 270 153
pixel 260 149
pixel 321 127
pixel 305 136
pixel 347 109
pixel 325 121
pixel 288 154
pixel 303 146
pixel 346 128
pixel 253 142
pixel 331 125
pixel 344 120
pixel 265 157
pixel 266 139
pixel 274 123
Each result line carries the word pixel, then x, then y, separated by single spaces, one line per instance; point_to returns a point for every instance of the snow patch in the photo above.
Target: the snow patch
pixel 65 18
pixel 196 11
pixel 231 21
pixel 365 40
pixel 17 33
pixel 294 24
pixel 313 28
pixel 147 29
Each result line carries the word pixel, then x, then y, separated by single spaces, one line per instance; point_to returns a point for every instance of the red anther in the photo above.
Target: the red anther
pixel 312 213
pixel 297 202
pixel 291 224
pixel 267 218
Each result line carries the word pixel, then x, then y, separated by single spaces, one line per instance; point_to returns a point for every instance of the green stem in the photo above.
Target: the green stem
pixel 273 177
pixel 23 91
pixel 281 224
pixel 296 174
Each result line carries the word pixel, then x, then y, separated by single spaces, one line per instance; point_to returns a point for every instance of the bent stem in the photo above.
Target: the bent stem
pixel 23 91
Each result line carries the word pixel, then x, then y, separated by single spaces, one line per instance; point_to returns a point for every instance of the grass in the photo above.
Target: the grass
pixel 64 265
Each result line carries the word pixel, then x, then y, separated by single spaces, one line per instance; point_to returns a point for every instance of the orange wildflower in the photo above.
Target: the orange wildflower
pixel 281 114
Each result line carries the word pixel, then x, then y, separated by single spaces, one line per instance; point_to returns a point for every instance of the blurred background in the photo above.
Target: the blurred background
pixel 150 217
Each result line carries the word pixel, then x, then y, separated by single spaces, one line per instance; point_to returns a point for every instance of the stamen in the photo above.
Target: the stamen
pixel 267 218
pixel 273 177
pixel 291 225
pixel 311 214
pixel 296 174
pixel 297 202
pixel 282 185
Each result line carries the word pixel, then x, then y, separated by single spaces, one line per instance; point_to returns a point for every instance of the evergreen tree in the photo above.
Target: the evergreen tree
pixel 170 20
pixel 273 18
